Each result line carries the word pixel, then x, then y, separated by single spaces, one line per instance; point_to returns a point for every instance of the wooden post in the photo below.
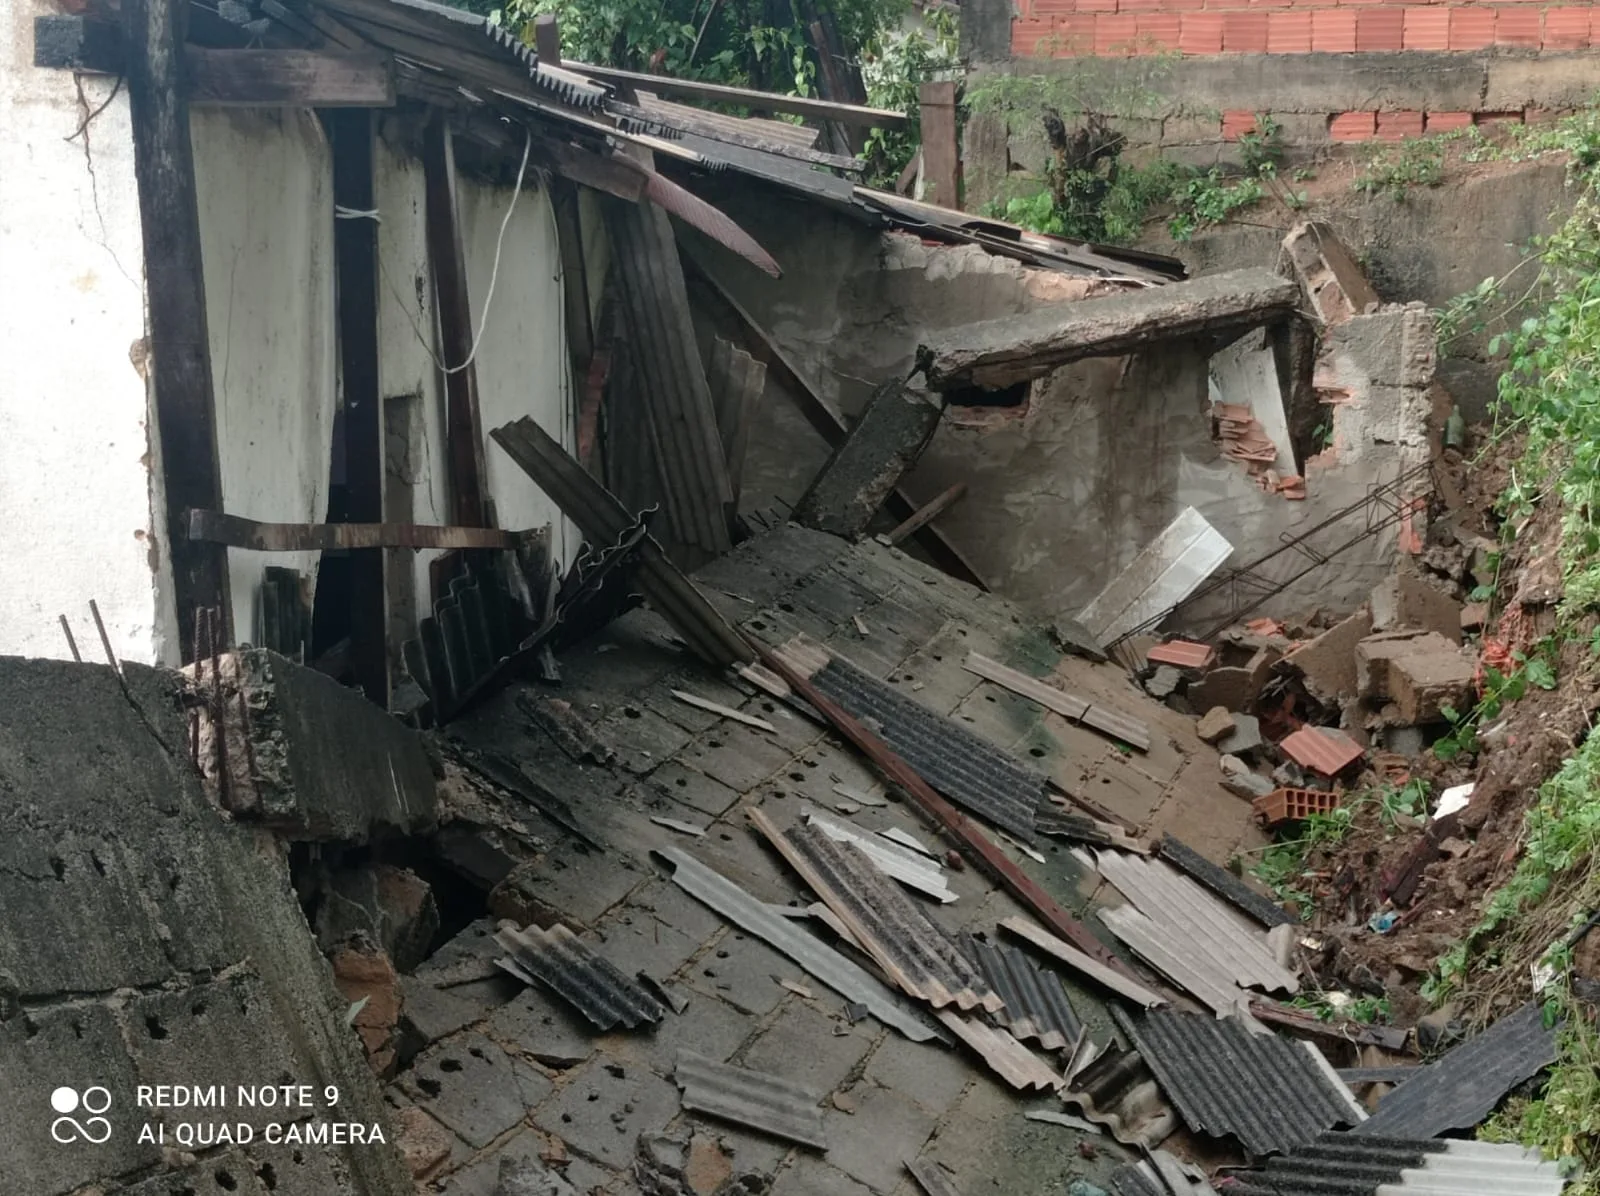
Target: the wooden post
pixel 355 241
pixel 941 163
pixel 180 347
pixel 547 38
pixel 463 432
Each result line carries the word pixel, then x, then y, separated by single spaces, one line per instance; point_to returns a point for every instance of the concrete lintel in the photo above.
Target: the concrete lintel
pixel 998 353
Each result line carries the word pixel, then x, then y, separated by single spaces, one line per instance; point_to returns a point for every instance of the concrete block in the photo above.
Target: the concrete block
pixel 574 887
pixel 1245 740
pixel 545 1029
pixel 1216 725
pixel 305 754
pixel 474 1087
pixel 1424 605
pixel 1163 681
pixel 893 430
pixel 1384 603
pixel 1248 785
pixel 428 1014
pixel 932 1076
pixel 804 1044
pixel 1429 679
pixel 1374 656
pixel 482 1177
pixel 1334 284
pixel 1327 664
pixel 870 1144
pixel 742 971
pixel 1231 688
pixel 423 1142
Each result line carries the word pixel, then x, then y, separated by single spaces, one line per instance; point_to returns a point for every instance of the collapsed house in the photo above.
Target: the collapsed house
pixel 710 851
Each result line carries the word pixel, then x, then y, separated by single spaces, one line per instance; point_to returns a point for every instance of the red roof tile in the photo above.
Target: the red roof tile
pixel 1184 654
pixel 1323 749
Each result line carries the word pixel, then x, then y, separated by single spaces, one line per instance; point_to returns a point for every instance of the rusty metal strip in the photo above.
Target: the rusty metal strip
pixel 1223 883
pixel 214 527
pixel 563 963
pixel 983 852
pixel 709 219
pixel 1006 1057
pixel 751 1098
pixel 911 950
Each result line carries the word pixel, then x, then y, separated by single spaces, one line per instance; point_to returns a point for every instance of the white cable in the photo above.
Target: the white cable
pixel 340 212
pixel 494 274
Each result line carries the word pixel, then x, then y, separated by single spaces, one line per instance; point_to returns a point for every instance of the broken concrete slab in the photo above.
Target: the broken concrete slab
pixel 1327 664
pixel 119 875
pixel 1248 785
pixel 1333 282
pixel 896 426
pixel 1164 681
pixel 1245 739
pixel 1427 681
pixel 995 354
pixel 474 1087
pixel 1229 688
pixel 308 757
pixel 1424 605
pixel 392 906
pixel 1374 657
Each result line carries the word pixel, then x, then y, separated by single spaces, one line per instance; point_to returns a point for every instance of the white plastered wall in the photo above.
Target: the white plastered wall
pixel 75 432
pixel 265 189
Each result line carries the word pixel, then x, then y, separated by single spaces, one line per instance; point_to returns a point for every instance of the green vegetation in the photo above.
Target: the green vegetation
pixel 1330 1006
pixel 1392 170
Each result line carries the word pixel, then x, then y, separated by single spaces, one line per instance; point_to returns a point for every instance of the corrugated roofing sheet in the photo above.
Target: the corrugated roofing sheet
pixel 1086 965
pixel 1223 883
pixel 914 952
pixel 1037 1006
pixel 1211 938
pixel 1268 1092
pixel 1119 1091
pixel 1464 1086
pixel 1160 1174
pixel 1368 1165
pixel 563 963
pixel 1324 749
pixel 965 767
pixel 751 1098
pixel 817 958
pixel 1171 952
pixel 910 868
pixel 1006 1057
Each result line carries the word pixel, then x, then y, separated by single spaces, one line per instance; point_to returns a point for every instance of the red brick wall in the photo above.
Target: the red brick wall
pixel 1127 28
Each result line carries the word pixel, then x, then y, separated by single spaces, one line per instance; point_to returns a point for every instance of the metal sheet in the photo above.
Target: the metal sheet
pixel 1086 965
pixel 1169 952
pixel 1036 1005
pixel 1006 1057
pixel 912 951
pixel 965 767
pixel 1216 939
pixel 1165 572
pixel 1368 1165
pixel 1463 1087
pixel 1102 718
pixel 1224 883
pixel 563 963
pixel 910 868
pixel 751 1098
pixel 780 933
pixel 1270 1093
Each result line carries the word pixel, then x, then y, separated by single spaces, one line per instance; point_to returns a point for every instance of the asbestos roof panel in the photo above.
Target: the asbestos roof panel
pixel 564 963
pixel 1124 986
pixel 1160 576
pixel 1175 956
pixel 1324 749
pixel 1117 1090
pixel 913 951
pixel 820 961
pixel 751 1098
pixel 1036 1006
pixel 1464 1086
pixel 910 868
pixel 1212 938
pixel 1224 883
pixel 1368 1165
pixel 965 767
pixel 1160 1174
pixel 1270 1093
pixel 1006 1057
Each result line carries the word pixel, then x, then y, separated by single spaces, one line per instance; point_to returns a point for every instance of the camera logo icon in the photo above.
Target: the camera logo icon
pixel 93 1129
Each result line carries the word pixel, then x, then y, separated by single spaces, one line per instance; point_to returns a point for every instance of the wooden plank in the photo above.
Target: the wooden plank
pixel 463 432
pixel 574 278
pixel 941 162
pixel 925 515
pixel 238 532
pixel 908 176
pixel 819 413
pixel 744 133
pixel 766 101
pixel 179 340
pixel 1122 726
pixel 736 380
pixel 710 707
pixel 355 252
pixel 1116 980
pixel 613 175
pixel 547 38
pixel 290 78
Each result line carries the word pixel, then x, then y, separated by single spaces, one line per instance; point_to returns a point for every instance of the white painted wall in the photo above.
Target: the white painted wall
pixel 522 363
pixel 74 410
pixel 265 188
